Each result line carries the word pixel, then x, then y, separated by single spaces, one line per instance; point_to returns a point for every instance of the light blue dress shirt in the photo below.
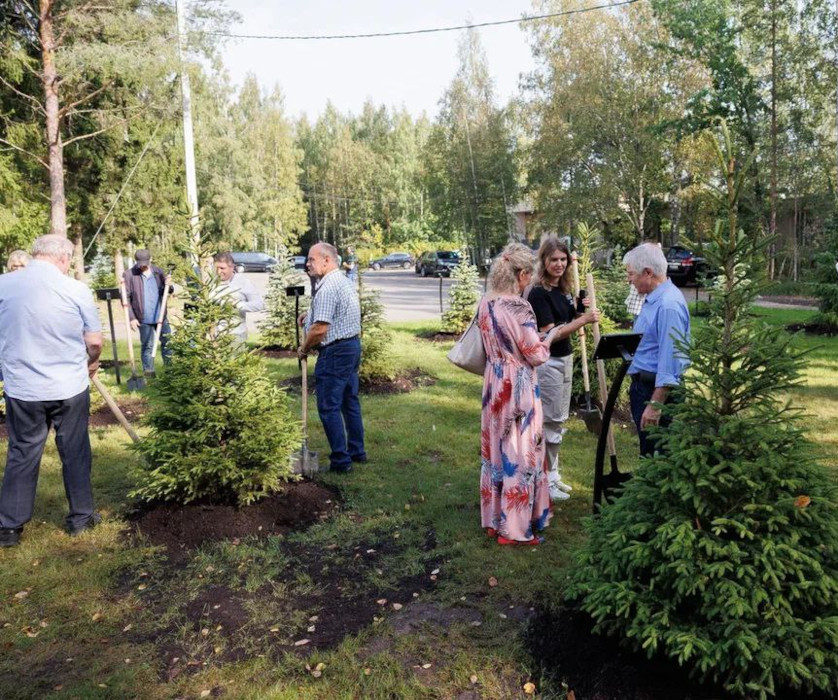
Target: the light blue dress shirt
pixel 663 320
pixel 44 315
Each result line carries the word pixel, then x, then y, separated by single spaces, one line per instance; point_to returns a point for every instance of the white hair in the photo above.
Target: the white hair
pixel 646 256
pixel 52 246
pixel 328 251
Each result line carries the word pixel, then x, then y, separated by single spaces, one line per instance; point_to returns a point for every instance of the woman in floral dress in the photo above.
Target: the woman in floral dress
pixel 514 495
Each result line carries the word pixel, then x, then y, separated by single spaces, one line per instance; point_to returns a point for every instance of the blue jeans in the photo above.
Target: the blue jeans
pixel 147 331
pixel 28 423
pixel 336 377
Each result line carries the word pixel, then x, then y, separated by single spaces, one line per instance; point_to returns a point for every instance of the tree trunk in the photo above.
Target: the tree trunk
pixel 55 149
pixel 772 221
pixel 78 253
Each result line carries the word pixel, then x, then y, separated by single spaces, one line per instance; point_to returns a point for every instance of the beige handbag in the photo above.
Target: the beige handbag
pixel 468 352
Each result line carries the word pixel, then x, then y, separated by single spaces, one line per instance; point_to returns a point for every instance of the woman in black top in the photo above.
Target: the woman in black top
pixel 553 305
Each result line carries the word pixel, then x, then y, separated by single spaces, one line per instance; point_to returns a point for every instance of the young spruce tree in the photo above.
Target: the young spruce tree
pixel 722 551
pixel 462 297
pixel 279 325
pixel 826 274
pixel 376 338
pixel 221 430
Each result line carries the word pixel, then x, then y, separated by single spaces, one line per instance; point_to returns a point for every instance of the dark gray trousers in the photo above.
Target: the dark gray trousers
pixel 28 423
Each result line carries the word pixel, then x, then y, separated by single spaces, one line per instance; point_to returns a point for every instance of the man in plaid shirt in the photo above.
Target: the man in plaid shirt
pixel 333 325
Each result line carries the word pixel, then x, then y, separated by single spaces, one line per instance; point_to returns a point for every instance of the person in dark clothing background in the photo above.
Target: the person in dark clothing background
pixel 144 285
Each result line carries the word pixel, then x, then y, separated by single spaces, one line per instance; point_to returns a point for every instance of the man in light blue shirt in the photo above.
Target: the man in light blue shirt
pixel 50 342
pixel 664 320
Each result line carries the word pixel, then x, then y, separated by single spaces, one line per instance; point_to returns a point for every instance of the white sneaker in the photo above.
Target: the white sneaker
pixel 556 494
pixel 563 486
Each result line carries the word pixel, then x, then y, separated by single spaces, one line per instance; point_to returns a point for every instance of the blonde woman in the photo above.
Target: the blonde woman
pixel 18 259
pixel 514 500
pixel 554 309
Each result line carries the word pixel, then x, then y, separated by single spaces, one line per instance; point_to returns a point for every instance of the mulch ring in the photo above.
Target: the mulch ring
pixel 597 667
pixel 402 384
pixel 181 528
pixel 134 408
pixel 438 336
pixel 813 328
pixel 276 352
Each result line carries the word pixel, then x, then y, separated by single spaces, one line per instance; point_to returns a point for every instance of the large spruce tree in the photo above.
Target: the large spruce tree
pixel 722 552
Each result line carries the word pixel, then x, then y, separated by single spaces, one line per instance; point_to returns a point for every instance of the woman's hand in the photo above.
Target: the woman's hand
pixel 590 316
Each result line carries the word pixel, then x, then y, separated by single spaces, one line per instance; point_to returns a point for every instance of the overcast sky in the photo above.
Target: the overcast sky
pixel 409 71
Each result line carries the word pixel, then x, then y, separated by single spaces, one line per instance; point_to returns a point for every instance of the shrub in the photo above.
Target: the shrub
pixel 221 430
pixel 279 327
pixel 462 297
pixel 826 274
pixel 102 275
pixel 376 339
pixel 722 551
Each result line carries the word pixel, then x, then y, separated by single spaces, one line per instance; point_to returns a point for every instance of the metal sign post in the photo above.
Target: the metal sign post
pixel 108 295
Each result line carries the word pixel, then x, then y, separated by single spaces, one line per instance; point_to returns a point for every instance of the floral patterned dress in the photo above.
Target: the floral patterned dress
pixel 514 495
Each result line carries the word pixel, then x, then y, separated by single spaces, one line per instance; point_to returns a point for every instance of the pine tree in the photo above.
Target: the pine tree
pixel 462 297
pixel 102 274
pixel 221 430
pixel 279 327
pixel 826 272
pixel 376 338
pixel 722 551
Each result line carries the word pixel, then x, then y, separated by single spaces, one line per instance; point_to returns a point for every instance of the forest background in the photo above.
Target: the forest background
pixel 603 131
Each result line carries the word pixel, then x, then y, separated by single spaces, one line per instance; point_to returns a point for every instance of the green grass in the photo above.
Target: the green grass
pixel 82 595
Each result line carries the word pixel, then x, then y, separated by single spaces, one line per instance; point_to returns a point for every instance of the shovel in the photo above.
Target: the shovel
pixel 615 477
pixel 303 461
pixel 590 414
pixel 119 415
pixel 135 383
pixel 160 318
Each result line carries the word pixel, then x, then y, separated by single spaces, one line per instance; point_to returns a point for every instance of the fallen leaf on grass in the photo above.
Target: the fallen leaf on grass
pixel 367 671
pixel 205 693
pixel 30 632
pixel 22 594
pixel 301 642
pixel 37 562
pixel 314 618
pixel 204 632
pixel 381 601
pixel 96 616
pixel 492 582
pixel 473 679
pixel 426 666
pixel 274 629
pixel 435 572
pixel 529 688
pixel 142 587
pixel 127 628
pixel 397 606
pixel 311 628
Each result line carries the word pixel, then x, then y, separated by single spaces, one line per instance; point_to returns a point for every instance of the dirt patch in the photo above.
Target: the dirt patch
pixel 438 336
pixel 813 328
pixel 598 668
pixel 402 384
pixel 181 528
pixel 787 299
pixel 275 352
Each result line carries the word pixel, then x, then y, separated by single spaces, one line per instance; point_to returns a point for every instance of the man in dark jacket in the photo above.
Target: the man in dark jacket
pixel 144 285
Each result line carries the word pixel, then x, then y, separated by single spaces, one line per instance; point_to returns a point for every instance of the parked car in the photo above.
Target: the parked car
pixel 404 260
pixel 437 262
pixel 684 266
pixel 253 262
pixel 298 261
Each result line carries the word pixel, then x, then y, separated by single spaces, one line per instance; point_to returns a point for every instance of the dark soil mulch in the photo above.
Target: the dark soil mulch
pixel 134 408
pixel 597 668
pixel 181 528
pixel 402 384
pixel 438 336
pixel 277 352
pixel 788 299
pixel 813 328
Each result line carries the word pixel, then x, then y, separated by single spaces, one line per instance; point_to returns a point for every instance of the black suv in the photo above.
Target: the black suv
pixel 684 267
pixel 437 262
pixel 253 262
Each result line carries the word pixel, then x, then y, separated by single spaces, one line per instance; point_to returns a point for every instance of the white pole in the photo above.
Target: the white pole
pixel 188 135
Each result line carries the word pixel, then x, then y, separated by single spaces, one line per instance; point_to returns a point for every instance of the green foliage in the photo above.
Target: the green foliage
pixel 462 297
pixel 221 430
pixel 827 277
pixel 376 338
pixel 279 327
pixel 722 551
pixel 102 275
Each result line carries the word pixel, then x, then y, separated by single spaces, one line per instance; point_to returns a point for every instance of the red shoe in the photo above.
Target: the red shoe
pixel 526 543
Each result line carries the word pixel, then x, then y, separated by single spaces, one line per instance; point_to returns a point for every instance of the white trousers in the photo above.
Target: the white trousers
pixel 555 378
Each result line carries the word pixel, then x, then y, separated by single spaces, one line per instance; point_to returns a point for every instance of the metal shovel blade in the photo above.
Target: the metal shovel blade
pixel 136 383
pixel 304 462
pixel 592 417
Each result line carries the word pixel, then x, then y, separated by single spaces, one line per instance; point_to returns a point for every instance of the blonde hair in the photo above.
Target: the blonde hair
pixel 18 258
pixel 503 276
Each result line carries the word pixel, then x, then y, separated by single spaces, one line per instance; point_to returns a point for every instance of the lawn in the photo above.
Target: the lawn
pixel 103 616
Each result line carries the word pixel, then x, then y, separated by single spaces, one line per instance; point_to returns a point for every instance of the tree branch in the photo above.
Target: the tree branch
pixel 66 109
pixel 81 137
pixel 24 151
pixel 38 105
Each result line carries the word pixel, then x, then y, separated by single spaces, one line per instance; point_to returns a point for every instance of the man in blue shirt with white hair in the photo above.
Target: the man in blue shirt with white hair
pixel 50 342
pixel 664 320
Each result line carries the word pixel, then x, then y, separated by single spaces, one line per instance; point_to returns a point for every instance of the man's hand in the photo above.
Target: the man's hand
pixel 92 367
pixel 301 319
pixel 302 353
pixel 651 416
pixel 135 324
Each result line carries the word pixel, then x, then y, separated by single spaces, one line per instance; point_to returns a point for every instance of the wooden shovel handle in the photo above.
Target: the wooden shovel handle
pixel 304 365
pixel 161 316
pixel 583 346
pixel 124 296
pixel 600 365
pixel 120 416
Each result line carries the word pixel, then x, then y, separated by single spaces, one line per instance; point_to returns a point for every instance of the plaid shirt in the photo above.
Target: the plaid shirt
pixel 634 301
pixel 336 303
